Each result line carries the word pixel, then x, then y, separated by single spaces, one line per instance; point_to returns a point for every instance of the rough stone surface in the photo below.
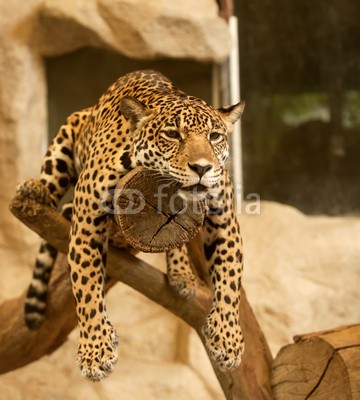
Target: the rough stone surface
pixel 301 273
pixel 135 28
pixel 22 130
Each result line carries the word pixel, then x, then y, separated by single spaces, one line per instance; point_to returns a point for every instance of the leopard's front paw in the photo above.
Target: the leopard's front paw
pixel 98 357
pixel 184 284
pixel 35 190
pixel 224 340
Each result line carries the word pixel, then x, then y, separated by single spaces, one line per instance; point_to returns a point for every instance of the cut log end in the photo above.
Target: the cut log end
pixel 324 365
pixel 152 216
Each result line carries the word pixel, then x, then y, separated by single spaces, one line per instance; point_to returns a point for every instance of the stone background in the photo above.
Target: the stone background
pixel 302 273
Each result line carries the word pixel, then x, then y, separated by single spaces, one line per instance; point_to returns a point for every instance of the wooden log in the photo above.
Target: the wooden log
pixel 151 214
pixel 19 345
pixel 251 380
pixel 319 366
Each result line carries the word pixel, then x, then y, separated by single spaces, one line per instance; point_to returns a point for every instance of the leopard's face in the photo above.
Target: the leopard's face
pixel 189 144
pixel 186 140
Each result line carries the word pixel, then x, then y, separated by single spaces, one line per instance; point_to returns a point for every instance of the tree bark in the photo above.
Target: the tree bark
pixel 319 366
pixel 19 346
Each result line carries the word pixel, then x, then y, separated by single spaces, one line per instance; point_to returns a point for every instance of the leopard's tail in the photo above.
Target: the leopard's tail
pixel 35 301
pixel 36 298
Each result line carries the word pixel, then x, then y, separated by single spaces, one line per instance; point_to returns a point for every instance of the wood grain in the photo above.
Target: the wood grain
pixel 151 214
pixel 319 366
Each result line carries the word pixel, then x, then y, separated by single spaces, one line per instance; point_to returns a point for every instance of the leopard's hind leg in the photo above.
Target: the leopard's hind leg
pixel 60 164
pixel 36 297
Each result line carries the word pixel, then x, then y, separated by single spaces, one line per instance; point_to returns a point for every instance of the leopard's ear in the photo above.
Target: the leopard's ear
pixel 232 113
pixel 133 110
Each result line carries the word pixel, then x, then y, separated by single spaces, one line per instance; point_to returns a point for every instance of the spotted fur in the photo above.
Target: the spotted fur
pixel 35 301
pixel 143 119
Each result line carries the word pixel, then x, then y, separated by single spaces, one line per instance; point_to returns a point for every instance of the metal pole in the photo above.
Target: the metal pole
pixel 234 86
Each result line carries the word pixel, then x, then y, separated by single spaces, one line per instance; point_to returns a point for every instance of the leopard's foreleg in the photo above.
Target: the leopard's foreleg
pixel 223 252
pixel 97 352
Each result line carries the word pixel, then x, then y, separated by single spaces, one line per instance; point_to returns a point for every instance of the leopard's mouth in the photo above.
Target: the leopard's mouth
pixel 195 188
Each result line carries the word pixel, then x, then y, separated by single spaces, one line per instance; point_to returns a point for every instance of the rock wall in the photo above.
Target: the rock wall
pixel 302 273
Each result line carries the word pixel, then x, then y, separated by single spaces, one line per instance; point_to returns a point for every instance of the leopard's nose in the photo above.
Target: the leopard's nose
pixel 200 169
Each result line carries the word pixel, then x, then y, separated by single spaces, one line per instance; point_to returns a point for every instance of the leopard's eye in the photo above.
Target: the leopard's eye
pixel 216 137
pixel 172 134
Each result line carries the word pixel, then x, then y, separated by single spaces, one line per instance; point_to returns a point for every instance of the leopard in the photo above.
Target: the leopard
pixel 142 119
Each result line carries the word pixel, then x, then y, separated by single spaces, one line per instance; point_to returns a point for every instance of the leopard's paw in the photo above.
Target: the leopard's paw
pixel 98 357
pixel 35 190
pixel 224 341
pixel 184 284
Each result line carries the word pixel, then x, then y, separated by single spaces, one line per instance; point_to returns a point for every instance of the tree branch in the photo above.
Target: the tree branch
pixel 20 346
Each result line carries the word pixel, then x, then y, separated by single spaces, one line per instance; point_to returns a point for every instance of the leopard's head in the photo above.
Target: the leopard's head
pixel 183 138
